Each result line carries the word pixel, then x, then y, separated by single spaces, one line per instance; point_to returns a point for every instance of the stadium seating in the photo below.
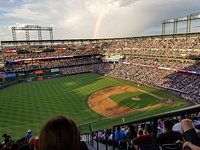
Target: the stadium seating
pixel 168 63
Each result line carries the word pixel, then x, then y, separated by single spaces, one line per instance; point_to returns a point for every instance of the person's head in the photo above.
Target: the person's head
pixel 180 118
pixel 31 141
pixel 118 128
pixel 148 129
pixel 7 138
pixel 34 142
pixel 4 135
pixel 29 131
pixel 59 133
pixel 168 124
pixel 140 132
pixel 131 127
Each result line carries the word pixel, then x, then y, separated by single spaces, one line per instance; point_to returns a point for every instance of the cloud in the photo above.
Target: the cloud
pixel 5 33
pixel 124 3
pixel 12 1
pixel 93 18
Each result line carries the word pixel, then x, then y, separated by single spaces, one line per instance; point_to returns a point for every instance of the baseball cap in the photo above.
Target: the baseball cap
pixel 29 131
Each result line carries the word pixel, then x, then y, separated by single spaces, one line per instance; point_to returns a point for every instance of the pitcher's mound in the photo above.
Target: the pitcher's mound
pixel 136 98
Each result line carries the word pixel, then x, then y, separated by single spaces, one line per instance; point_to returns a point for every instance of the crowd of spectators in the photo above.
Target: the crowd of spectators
pixel 14 53
pixel 156 46
pixel 150 61
pixel 146 71
pixel 58 133
pixel 77 69
pixel 172 132
pixel 176 46
pixel 143 57
pixel 50 63
pixel 46 54
pixel 141 66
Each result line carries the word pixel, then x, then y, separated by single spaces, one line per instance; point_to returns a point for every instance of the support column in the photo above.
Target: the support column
pixel 14 34
pixel 40 34
pixel 27 35
pixel 163 27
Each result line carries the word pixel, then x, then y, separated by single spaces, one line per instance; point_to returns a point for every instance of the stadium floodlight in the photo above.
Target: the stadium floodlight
pixel 195 16
pixel 182 19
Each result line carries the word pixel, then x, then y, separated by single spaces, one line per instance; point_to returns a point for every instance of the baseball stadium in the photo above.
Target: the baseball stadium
pixel 100 83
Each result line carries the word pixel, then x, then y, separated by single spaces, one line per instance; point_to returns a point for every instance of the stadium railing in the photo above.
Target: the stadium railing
pixel 154 120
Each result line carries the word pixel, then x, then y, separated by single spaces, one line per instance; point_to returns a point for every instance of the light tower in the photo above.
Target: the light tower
pixel 28 28
pixel 188 19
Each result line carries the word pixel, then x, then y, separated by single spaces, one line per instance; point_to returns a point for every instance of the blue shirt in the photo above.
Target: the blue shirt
pixel 119 135
pixel 28 135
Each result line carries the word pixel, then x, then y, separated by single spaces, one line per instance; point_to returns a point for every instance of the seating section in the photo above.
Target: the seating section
pixel 106 136
pixel 170 63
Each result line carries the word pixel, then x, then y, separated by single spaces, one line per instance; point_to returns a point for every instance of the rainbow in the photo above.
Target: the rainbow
pixel 97 24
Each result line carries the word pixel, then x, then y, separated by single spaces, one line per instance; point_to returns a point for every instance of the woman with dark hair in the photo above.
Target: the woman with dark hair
pixel 59 133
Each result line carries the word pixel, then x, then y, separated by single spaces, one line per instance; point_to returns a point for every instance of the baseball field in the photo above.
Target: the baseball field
pixel 92 100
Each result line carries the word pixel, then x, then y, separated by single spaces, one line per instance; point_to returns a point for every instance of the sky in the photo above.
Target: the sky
pixel 91 19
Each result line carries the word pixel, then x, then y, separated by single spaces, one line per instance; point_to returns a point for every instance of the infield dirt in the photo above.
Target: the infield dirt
pixel 101 103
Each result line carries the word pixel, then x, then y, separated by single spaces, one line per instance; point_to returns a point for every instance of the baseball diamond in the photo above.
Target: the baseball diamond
pixel 88 98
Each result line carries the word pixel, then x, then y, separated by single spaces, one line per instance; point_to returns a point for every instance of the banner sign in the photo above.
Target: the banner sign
pixel 45 58
pixel 10 75
pixel 39 72
pixel 55 70
pixel 2 75
pixel 10 51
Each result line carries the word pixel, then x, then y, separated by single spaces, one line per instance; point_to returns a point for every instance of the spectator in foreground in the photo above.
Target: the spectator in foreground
pixel 34 142
pixel 144 142
pixel 168 136
pixel 140 132
pixel 189 146
pixel 131 133
pixel 190 135
pixel 118 135
pixel 59 133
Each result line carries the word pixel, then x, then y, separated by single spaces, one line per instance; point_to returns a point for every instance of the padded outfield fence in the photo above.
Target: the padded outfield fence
pixel 154 120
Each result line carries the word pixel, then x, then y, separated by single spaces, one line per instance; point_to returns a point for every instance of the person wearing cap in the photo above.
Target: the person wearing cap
pixel 28 135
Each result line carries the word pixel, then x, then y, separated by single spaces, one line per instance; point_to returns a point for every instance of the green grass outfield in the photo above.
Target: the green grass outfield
pixel 27 105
